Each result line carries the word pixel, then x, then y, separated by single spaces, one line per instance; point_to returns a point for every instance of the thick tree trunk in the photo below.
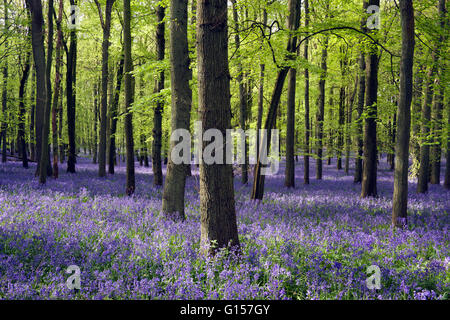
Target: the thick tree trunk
pixel 114 107
pixel 400 197
pixel 217 205
pixel 159 86
pixel 129 97
pixel 106 25
pixel 174 187
pixel 369 176
pixel 37 36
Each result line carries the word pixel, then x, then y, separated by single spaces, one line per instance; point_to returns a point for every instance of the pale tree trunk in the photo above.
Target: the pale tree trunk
pixel 129 97
pixel 174 186
pixel 242 92
pixel 217 205
pixel 400 197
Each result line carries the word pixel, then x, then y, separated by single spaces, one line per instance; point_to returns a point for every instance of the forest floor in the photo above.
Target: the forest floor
pixel 313 242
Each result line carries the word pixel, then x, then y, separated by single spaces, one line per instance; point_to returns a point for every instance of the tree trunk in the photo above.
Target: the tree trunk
pixel 307 122
pixel 129 97
pixel 438 104
pixel 22 111
pixel 293 24
pixel 37 36
pixel 114 106
pixel 260 97
pixel 400 197
pixel 217 206
pixel 71 98
pixel 242 91
pixel 174 187
pixel 369 176
pixel 159 86
pixel 106 26
pixel 57 90
pixel 321 110
pixel 359 126
pixel 95 133
pixel 424 169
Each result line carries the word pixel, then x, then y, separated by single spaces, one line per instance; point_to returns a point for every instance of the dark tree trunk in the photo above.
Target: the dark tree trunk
pixel 71 98
pixel 159 86
pixel 57 90
pixel 37 36
pixel 106 26
pixel 341 116
pixel 114 107
pixel 400 197
pixel 174 187
pixel 307 123
pixel 369 177
pixel 4 123
pixel 447 158
pixel 22 111
pixel 217 206
pixel 348 139
pixel 293 24
pixel 129 97
pixel 260 98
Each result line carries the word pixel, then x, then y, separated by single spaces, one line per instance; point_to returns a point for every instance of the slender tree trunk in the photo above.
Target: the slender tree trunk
pixel 307 122
pixel 114 107
pixel 22 111
pixel 400 197
pixel 447 158
pixel 293 24
pixel 438 103
pixel 424 169
pixel 242 91
pixel 95 133
pixel 359 120
pixel 157 118
pixel 321 110
pixel 369 177
pixel 57 90
pixel 4 123
pixel 174 187
pixel 106 26
pixel 260 97
pixel 32 117
pixel 71 98
pixel 129 96
pixel 217 206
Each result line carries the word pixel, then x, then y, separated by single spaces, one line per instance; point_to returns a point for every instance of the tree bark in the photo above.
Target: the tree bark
pixel 369 176
pixel 4 123
pixel 321 110
pixel 129 97
pixel 307 122
pixel 174 187
pixel 106 26
pixel 217 205
pixel 22 110
pixel 114 107
pixel 400 196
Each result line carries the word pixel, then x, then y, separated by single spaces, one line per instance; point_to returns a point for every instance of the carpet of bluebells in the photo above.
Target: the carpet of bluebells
pixel 313 242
